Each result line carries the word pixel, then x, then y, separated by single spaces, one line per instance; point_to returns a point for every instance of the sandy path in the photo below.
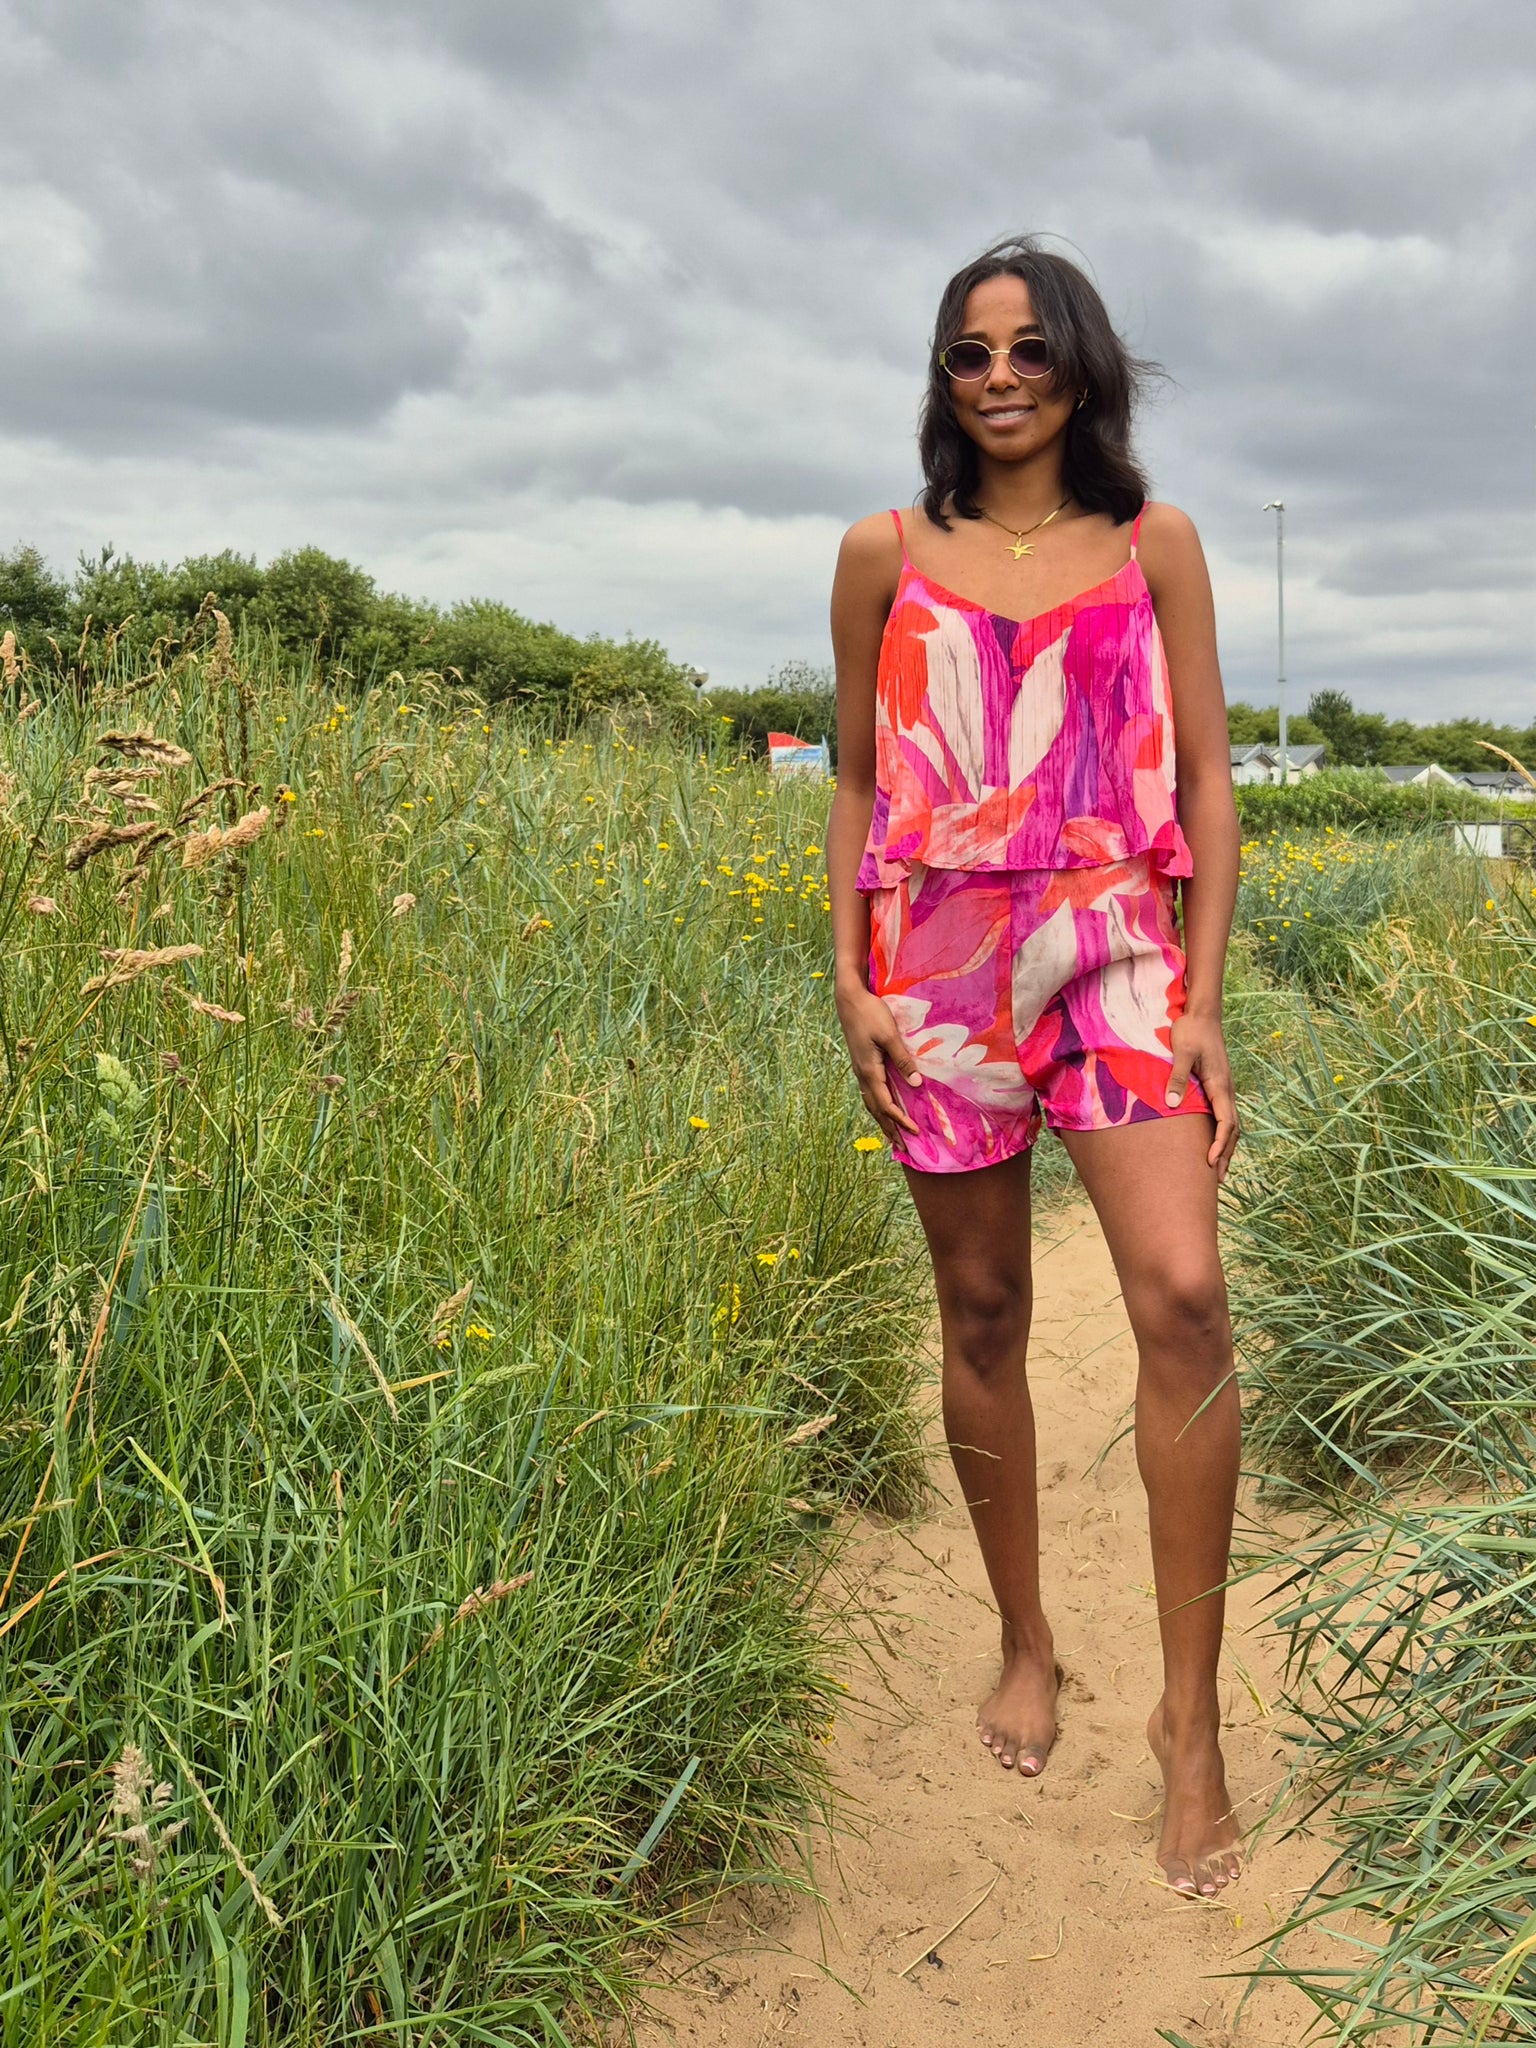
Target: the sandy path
pixel 1077 1937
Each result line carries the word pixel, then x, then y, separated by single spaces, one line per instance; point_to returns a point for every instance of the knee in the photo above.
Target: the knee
pixel 986 1321
pixel 1180 1317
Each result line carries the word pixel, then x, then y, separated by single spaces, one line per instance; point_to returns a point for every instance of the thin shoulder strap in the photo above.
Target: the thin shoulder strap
pixel 901 536
pixel 1136 531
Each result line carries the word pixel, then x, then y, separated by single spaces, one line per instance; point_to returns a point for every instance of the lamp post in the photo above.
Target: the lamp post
pixel 1277 506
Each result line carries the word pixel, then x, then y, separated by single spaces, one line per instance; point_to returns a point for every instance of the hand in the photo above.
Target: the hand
pixel 873 1042
pixel 1200 1049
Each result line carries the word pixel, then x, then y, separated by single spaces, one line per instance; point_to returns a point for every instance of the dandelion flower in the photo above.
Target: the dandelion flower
pixel 818 974
pixel 767 1258
pixel 868 1144
pixel 699 1123
pixel 1338 1080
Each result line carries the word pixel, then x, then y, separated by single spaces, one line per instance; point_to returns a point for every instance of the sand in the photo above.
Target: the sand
pixel 1075 1938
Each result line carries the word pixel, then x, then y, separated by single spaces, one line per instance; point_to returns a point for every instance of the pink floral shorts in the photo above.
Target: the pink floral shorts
pixel 1042 990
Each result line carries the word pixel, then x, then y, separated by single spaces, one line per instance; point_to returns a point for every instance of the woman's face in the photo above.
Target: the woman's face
pixel 1008 416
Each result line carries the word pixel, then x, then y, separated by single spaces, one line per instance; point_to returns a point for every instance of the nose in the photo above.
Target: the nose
pixel 1002 376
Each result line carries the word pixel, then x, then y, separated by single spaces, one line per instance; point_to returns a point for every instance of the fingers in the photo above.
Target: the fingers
pixel 875 1087
pixel 1218 1089
pixel 1178 1080
pixel 897 1054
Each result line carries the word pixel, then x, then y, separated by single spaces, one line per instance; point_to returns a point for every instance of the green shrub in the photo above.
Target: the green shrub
pixel 119 618
pixel 809 712
pixel 1352 797
pixel 34 603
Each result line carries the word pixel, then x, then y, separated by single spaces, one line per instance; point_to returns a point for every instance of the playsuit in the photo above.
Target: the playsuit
pixel 1021 865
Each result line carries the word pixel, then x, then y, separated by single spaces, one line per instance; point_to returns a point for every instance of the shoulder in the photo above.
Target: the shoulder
pixel 869 561
pixel 1169 550
pixel 1167 531
pixel 1168 539
pixel 871 543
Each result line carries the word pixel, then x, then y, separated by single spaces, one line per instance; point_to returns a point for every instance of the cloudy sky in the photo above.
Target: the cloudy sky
pixel 618 309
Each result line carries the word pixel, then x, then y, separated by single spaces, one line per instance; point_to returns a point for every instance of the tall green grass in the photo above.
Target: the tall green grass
pixel 1384 1231
pixel 439 1318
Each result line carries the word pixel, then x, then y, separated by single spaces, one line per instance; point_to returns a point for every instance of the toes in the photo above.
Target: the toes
pixel 1181 1878
pixel 1031 1766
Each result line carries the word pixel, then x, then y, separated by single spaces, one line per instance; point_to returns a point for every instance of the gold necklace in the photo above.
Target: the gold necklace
pixel 1020 545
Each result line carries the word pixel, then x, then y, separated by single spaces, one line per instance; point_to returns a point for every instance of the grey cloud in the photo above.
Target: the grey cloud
pixel 428 268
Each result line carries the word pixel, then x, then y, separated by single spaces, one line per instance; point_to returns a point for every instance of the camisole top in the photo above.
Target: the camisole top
pixel 1022 743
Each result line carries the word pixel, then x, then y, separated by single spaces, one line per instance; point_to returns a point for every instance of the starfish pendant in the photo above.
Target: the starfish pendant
pixel 1020 546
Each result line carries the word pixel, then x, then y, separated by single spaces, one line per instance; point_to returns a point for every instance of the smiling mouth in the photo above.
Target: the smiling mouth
pixel 1005 415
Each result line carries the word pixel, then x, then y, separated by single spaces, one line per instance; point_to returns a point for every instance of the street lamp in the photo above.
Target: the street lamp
pixel 1277 506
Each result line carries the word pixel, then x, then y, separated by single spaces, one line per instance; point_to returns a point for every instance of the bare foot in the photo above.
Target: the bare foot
pixel 1200 1850
pixel 1018 1722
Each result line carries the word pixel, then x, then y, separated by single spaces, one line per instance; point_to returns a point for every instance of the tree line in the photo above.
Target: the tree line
pixel 318 609
pixel 1369 739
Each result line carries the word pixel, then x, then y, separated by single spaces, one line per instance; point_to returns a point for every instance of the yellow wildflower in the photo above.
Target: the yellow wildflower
pixel 699 1123
pixel 868 1144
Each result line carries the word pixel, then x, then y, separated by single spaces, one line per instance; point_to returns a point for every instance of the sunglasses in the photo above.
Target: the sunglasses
pixel 968 360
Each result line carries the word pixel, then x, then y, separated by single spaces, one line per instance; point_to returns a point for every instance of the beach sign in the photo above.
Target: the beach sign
pixel 788 755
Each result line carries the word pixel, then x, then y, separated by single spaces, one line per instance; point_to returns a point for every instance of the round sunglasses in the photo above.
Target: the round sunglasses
pixel 968 360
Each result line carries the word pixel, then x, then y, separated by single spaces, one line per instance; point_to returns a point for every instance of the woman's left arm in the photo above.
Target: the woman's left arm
pixel 1173 562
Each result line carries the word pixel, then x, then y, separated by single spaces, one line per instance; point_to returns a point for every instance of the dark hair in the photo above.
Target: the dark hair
pixel 1098 466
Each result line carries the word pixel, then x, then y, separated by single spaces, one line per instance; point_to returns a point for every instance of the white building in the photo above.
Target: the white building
pixel 1261 762
pixel 1422 773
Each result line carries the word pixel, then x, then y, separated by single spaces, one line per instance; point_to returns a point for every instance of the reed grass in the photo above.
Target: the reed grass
pixel 443 1308
pixel 1384 1229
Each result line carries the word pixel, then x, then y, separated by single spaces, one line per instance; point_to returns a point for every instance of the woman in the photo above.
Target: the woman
pixel 1003 851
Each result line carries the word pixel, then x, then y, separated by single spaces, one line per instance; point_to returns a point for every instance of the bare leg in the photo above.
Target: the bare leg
pixel 977 1225
pixel 1156 1200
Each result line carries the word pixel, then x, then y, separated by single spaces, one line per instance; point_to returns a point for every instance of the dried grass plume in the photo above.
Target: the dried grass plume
pixel 199 847
pixel 128 963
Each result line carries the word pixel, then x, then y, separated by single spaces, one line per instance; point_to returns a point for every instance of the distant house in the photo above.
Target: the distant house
pixel 1423 773
pixel 1502 784
pixel 1261 762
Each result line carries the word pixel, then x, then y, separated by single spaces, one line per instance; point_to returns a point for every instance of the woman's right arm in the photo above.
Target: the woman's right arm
pixel 868 568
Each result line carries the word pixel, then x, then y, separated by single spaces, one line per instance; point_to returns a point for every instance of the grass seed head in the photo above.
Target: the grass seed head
pixel 199 847
pixel 144 746
pixel 207 1009
pixel 128 963
pixel 447 1313
pixel 102 837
